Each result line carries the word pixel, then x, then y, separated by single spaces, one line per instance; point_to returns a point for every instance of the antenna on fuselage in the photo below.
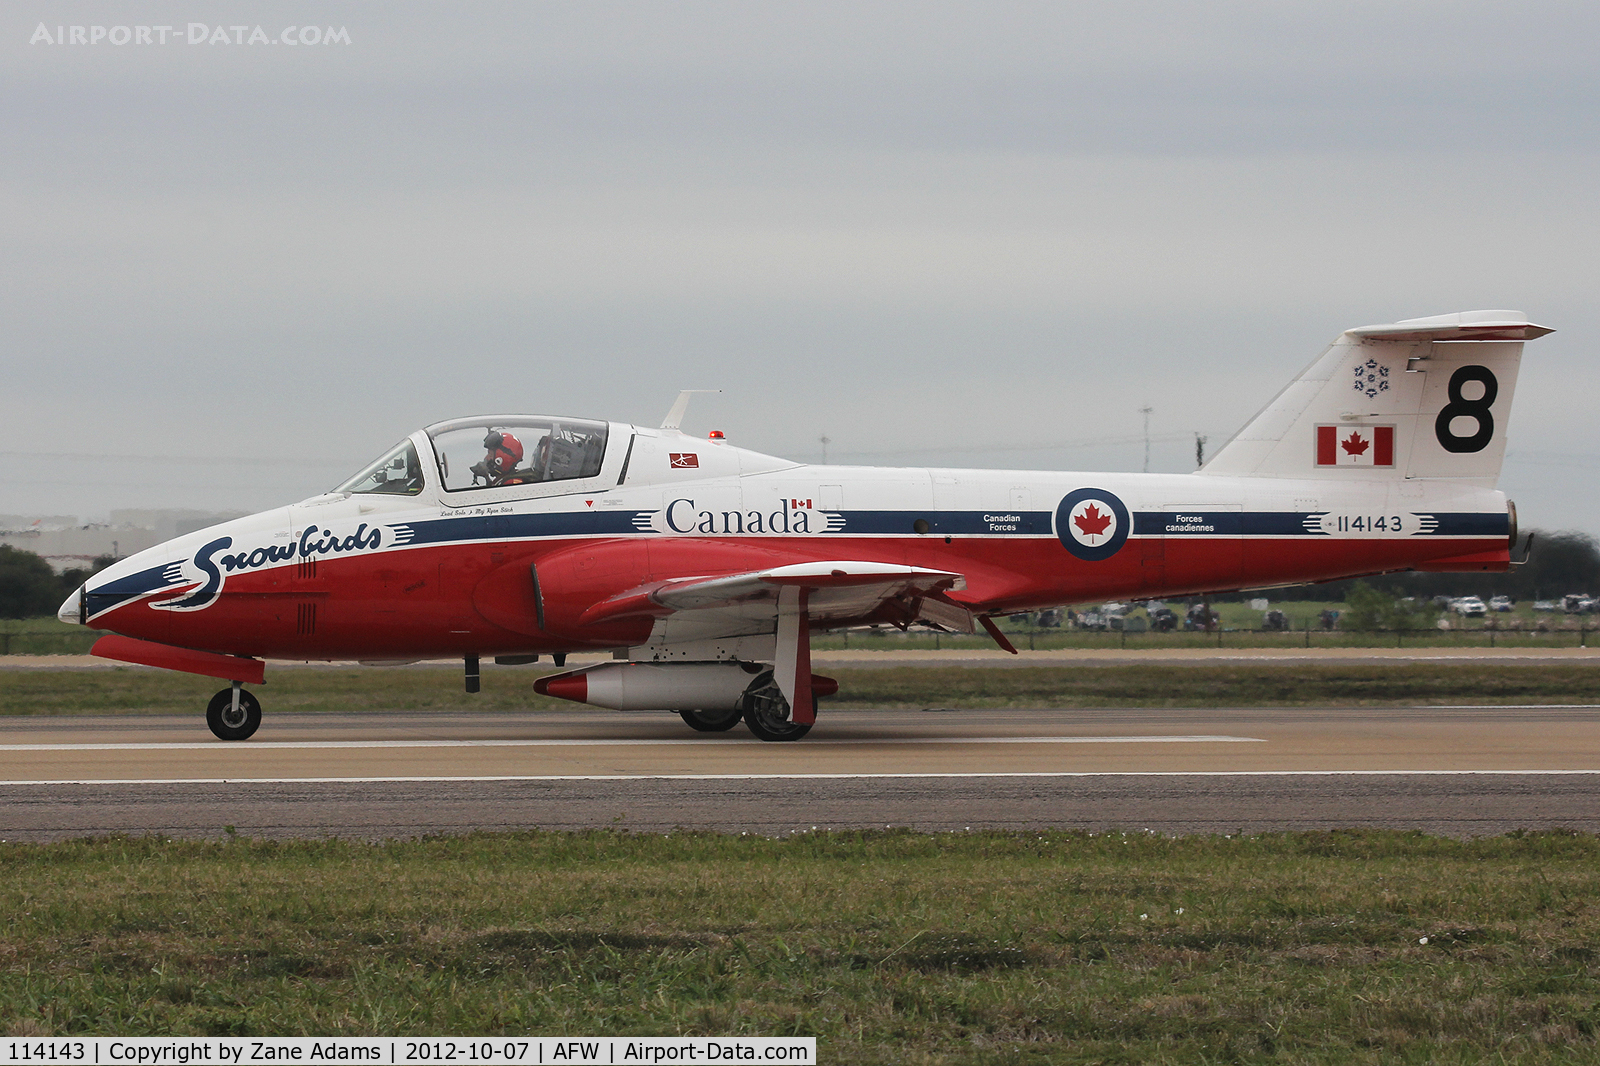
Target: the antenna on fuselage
pixel 674 417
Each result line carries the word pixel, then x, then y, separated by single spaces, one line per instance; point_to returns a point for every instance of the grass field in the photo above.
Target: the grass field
pixel 44 636
pixel 128 690
pixel 888 947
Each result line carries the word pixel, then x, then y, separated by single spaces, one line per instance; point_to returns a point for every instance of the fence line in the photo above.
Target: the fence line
pixel 1216 636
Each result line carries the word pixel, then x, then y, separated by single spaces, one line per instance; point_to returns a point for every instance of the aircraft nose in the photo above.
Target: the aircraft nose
pixel 72 607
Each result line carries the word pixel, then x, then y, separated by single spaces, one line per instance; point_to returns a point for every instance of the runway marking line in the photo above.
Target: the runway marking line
pixel 795 777
pixel 1506 706
pixel 220 745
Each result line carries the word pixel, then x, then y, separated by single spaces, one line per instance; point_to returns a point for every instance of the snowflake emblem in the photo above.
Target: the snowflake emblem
pixel 1371 378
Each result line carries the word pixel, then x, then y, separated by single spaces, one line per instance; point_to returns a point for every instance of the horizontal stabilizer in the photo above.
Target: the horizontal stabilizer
pixel 1461 326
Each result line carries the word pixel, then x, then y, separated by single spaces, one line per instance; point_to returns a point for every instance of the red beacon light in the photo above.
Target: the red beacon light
pixel 716 434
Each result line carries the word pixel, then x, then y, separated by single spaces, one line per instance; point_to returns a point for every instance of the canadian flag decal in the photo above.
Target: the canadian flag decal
pixel 1351 445
pixel 684 460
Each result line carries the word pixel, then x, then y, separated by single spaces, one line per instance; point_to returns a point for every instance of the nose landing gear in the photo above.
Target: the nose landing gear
pixel 233 714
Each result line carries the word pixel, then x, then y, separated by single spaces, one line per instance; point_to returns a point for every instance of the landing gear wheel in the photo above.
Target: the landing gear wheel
pixel 766 712
pixel 229 724
pixel 711 721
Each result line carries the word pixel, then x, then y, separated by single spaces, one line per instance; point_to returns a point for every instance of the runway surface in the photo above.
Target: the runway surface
pixel 1457 771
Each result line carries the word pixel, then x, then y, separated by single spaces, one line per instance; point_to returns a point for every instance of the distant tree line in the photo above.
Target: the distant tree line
pixel 1367 608
pixel 30 588
pixel 1560 562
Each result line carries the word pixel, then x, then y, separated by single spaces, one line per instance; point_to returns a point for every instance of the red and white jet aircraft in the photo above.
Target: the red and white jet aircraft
pixel 704 567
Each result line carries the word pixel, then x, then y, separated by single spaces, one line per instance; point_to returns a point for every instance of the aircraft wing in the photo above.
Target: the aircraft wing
pixel 786 601
pixel 836 590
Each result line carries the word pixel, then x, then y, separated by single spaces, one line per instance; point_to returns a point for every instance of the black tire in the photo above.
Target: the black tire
pixel 228 726
pixel 766 712
pixel 711 721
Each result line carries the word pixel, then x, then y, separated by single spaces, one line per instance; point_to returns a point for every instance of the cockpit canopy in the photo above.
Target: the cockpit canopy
pixel 490 452
pixel 398 473
pixel 476 453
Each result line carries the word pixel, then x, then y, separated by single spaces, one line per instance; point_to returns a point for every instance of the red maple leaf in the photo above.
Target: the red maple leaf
pixel 1355 445
pixel 1092 522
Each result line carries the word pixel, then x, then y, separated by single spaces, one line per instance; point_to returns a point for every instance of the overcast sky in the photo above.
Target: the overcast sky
pixel 974 234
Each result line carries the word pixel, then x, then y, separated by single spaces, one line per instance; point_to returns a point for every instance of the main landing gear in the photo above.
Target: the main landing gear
pixel 711 721
pixel 766 712
pixel 762 708
pixel 233 714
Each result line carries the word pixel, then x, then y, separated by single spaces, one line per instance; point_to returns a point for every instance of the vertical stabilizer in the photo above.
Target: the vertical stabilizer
pixel 1422 398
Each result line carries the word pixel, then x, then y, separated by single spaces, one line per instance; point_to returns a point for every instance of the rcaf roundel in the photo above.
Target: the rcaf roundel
pixel 1092 524
pixel 1352 445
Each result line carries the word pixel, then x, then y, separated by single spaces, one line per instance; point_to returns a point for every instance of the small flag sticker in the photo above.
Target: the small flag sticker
pixel 684 460
pixel 1349 445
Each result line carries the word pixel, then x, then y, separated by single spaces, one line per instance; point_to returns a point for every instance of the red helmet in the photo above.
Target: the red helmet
pixel 504 453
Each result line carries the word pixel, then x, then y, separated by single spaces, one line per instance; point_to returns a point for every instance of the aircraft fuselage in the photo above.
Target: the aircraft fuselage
pixel 380 577
pixel 704 567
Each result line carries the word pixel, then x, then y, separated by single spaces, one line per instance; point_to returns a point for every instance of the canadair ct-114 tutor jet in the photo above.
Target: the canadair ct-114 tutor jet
pixel 704 568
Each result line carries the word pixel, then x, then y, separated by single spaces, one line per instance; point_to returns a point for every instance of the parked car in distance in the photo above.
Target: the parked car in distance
pixel 1546 605
pixel 1577 603
pixel 1470 607
pixel 1502 603
pixel 1163 620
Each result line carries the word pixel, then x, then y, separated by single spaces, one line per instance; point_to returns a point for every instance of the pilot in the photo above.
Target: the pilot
pixel 502 453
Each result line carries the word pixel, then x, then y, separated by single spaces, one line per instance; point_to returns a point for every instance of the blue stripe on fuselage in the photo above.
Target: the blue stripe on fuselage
pixel 520 526
pixel 101 598
pixel 1192 523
